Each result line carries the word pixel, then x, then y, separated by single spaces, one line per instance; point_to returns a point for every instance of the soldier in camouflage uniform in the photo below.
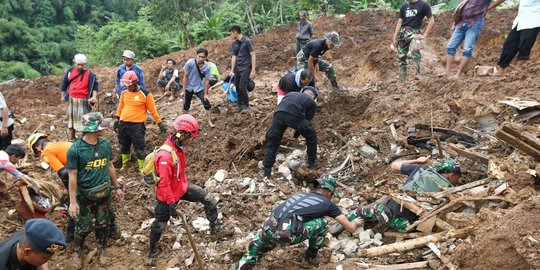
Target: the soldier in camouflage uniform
pixel 409 27
pixel 299 218
pixel 92 178
pixel 312 55
pixel 420 179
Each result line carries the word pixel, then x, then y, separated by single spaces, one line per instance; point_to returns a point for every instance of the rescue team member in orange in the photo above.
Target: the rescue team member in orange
pixel 130 118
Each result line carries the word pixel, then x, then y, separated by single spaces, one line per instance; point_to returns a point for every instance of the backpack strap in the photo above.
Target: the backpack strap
pixel 171 151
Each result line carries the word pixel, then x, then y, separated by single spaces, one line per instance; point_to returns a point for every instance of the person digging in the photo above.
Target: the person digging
pixel 55 155
pixel 170 167
pixel 420 178
pixel 130 118
pixel 299 218
pixel 296 110
pixel 92 178
pixel 311 56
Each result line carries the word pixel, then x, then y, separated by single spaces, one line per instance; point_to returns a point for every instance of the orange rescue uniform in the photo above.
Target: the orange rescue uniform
pixel 134 105
pixel 55 154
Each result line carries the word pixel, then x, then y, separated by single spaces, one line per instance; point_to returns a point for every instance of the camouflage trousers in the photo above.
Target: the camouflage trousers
pixel 279 233
pixel 324 66
pixel 404 37
pixel 381 213
pixel 100 210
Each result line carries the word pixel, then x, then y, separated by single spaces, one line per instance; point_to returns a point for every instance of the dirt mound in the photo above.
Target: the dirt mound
pixel 348 120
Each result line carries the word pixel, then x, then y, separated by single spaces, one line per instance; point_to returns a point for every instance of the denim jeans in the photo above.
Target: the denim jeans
pixel 466 35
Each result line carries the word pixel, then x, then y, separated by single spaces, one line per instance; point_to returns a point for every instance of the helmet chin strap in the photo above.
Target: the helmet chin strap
pixel 179 141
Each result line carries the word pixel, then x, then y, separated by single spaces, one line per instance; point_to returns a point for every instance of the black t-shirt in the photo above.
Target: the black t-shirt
pixel 307 205
pixel 413 14
pixel 288 83
pixel 8 254
pixel 299 105
pixel 412 171
pixel 242 50
pixel 315 48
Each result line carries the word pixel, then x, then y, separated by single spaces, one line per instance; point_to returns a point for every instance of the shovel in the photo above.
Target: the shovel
pixel 191 241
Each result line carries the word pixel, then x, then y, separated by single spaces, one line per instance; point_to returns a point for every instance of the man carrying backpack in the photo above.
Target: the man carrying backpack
pixel 196 80
pixel 420 179
pixel 130 117
pixel 169 78
pixel 170 167
pixel 79 88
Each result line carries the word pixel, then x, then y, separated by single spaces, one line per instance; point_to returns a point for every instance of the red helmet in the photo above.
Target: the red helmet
pixel 188 124
pixel 129 78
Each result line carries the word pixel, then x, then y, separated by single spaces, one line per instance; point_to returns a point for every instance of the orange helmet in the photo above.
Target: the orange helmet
pixel 188 124
pixel 129 78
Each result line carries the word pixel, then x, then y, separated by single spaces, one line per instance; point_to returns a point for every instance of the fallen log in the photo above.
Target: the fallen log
pixel 412 243
pixel 401 266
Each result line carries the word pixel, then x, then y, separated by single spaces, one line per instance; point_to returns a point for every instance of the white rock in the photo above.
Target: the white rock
pixel 297 153
pixel 346 203
pixel 349 247
pixel 10 212
pixel 340 256
pixel 294 164
pixel 210 183
pixel 377 242
pixel 335 244
pixel 221 175
pixel 364 237
pixel 147 223
pixel 125 234
pixel 246 182
pixel 284 170
pixel 371 233
pixel 358 231
pixel 339 267
pixel 378 236
pixel 201 224
pixel 260 165
pixel 368 151
pixel 280 157
pixel 176 246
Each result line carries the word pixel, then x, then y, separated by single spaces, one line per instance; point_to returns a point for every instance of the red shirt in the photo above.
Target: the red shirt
pixel 78 88
pixel 172 178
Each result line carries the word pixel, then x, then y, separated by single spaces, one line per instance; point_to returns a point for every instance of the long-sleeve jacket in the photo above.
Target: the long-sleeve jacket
pixel 304 30
pixel 134 105
pixel 172 183
pixel 121 70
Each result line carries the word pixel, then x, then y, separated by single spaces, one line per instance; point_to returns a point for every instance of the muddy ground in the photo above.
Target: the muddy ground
pixel 367 68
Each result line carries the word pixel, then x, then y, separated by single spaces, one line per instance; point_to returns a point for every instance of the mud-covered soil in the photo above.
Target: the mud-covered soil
pixel 367 69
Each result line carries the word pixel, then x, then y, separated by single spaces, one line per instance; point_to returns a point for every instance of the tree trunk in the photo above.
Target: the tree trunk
pixel 183 23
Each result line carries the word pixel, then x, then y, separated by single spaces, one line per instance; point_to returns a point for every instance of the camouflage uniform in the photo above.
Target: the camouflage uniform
pixel 324 66
pixel 381 213
pixel 405 36
pixel 276 232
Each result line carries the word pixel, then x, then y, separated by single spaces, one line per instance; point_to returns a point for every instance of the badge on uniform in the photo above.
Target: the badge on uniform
pixel 96 154
pixel 53 248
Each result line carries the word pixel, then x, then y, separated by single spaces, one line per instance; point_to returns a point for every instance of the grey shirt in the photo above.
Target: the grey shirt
pixel 304 30
pixel 194 81
pixel 242 50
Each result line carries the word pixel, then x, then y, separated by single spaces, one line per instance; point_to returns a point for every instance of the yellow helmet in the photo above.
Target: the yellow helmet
pixel 33 139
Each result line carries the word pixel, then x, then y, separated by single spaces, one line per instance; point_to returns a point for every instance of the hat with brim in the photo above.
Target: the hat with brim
pixel 93 122
pixel 129 54
pixel 327 182
pixel 449 166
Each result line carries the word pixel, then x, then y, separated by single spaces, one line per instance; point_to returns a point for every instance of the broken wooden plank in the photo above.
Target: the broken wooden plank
pixel 412 243
pixel 427 226
pixel 526 139
pixel 428 216
pixel 404 235
pixel 401 266
pixel 518 144
pixel 469 154
pixel 441 224
pixel 452 190
pixel 443 258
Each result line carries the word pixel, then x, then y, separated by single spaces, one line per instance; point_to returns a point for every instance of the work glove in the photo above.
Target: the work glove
pixel 172 209
pixel 115 126
pixel 162 128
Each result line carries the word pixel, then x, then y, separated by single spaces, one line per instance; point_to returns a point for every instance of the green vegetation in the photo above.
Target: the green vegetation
pixel 41 36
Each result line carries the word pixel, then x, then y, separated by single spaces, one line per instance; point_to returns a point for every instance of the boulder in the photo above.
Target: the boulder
pixel 284 170
pixel 368 151
pixel 221 175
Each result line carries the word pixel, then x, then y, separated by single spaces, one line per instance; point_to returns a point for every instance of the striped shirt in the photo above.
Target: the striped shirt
pixel 474 10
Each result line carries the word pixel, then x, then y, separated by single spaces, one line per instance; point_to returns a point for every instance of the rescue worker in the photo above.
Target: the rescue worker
pixel 55 155
pixel 79 88
pixel 170 166
pixel 299 218
pixel 128 57
pixel 311 55
pixel 294 82
pixel 130 117
pixel 295 111
pixel 32 247
pixel 243 65
pixel 420 178
pixel 196 80
pixel 8 159
pixel 92 178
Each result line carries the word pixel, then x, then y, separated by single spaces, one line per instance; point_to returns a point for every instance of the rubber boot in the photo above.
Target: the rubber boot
pixel 402 74
pixel 114 233
pixel 311 256
pixel 335 85
pixel 70 230
pixel 155 235
pixel 140 162
pixel 417 67
pixel 125 159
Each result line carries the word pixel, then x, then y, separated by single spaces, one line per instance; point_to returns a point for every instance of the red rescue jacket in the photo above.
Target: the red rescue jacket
pixel 172 177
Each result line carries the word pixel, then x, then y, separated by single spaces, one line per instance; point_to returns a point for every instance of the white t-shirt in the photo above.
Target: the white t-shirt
pixel 528 16
pixel 175 73
pixel 2 105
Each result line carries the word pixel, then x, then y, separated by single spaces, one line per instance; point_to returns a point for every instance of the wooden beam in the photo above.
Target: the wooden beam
pixel 518 144
pixel 401 266
pixel 439 223
pixel 470 155
pixel 426 217
pixel 452 190
pixel 404 235
pixel 526 139
pixel 412 243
